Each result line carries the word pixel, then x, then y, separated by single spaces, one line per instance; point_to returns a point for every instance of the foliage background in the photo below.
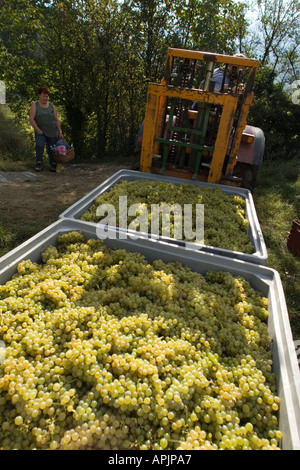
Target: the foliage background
pixel 98 56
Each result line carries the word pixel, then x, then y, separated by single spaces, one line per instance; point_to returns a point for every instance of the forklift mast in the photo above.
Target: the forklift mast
pixel 192 129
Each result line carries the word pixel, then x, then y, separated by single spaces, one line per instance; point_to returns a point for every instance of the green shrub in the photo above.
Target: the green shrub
pixel 15 145
pixel 276 114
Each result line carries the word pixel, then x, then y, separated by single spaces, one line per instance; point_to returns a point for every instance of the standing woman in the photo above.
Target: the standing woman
pixel 46 125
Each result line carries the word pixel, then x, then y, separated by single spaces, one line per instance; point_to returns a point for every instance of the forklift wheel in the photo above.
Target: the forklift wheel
pixel 249 177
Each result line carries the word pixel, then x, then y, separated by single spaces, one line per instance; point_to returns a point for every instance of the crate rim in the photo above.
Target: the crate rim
pixel 289 380
pixel 260 255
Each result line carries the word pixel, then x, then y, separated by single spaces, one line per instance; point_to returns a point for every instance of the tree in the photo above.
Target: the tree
pixel 276 38
pixel 276 114
pixel 98 56
pixel 22 64
pixel 210 25
pixel 109 73
pixel 151 25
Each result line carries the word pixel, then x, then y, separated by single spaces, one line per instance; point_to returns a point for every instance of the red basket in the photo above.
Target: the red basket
pixel 70 154
pixel 293 241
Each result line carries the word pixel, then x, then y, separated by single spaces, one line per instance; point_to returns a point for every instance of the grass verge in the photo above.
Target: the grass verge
pixel 277 202
pixel 12 236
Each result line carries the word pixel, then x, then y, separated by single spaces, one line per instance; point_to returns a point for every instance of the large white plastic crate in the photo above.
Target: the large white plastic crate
pixel 264 279
pixel 259 255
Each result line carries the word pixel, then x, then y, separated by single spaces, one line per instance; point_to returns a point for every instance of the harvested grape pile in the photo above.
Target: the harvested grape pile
pixel 106 351
pixel 225 220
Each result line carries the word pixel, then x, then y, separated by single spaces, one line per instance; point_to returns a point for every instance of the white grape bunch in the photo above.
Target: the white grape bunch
pixel 225 219
pixel 104 350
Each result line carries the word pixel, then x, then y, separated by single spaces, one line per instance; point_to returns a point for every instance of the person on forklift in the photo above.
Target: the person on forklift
pixel 233 72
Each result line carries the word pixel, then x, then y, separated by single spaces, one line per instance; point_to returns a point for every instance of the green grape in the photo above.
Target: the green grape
pixel 104 350
pixel 225 218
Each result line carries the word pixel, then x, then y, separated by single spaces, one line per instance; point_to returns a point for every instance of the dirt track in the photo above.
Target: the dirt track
pixel 43 196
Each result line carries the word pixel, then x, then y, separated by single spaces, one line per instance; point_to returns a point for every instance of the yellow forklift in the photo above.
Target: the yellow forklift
pixel 195 120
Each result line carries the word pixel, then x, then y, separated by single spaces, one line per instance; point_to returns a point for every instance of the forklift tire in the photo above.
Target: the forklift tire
pixel 248 171
pixel 249 177
pixel 136 165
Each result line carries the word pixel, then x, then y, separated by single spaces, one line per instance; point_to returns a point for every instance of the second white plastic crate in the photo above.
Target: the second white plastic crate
pixel 259 255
